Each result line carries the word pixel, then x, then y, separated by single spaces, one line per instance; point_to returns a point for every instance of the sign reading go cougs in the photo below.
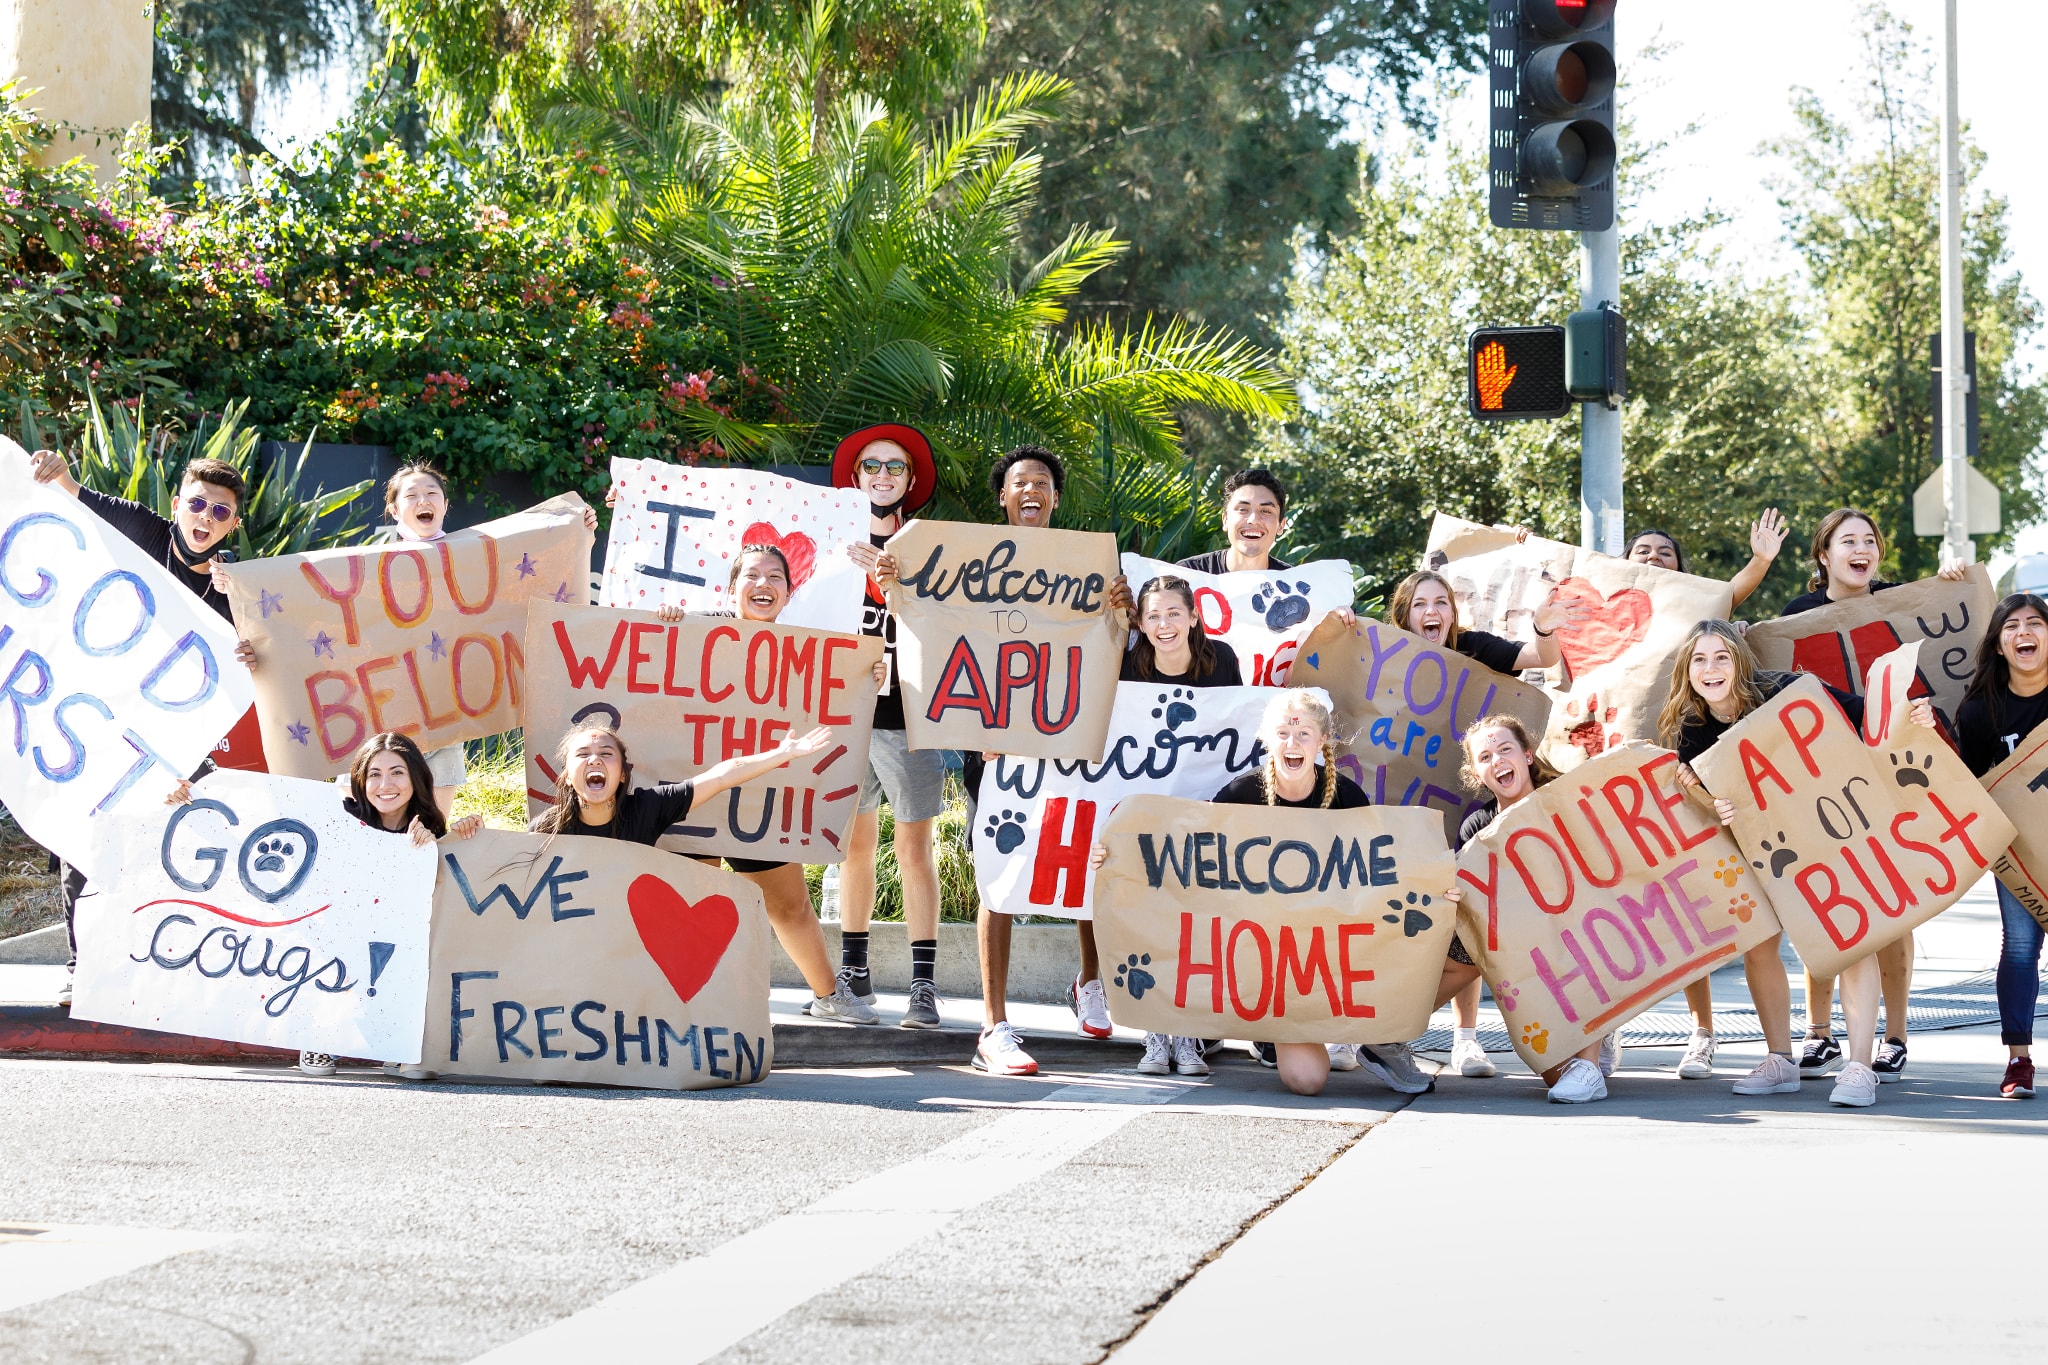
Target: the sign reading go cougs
pixel 689 695
pixel 1004 638
pixel 1289 926
pixel 422 638
pixel 108 669
pixel 1263 615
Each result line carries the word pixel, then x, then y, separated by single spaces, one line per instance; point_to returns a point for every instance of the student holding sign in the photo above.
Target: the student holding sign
pixel 2006 702
pixel 1254 516
pixel 1766 537
pixel 1422 603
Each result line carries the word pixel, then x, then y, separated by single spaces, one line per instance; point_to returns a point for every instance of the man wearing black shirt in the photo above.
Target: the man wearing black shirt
pixel 1254 515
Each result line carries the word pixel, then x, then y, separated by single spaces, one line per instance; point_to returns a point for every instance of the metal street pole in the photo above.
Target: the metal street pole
pixel 1955 381
pixel 1600 523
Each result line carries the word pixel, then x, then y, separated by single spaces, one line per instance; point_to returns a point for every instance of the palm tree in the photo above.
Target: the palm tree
pixel 869 272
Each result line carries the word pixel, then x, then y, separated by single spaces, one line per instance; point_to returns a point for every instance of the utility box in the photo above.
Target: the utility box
pixel 83 65
pixel 1595 356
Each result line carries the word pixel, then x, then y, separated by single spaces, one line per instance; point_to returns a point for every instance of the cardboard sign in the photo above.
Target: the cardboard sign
pixel 1004 638
pixel 675 530
pixel 1406 704
pixel 1288 926
pixel 1840 643
pixel 1039 817
pixel 115 680
pixel 1263 615
pixel 261 912
pixel 598 960
pixel 690 695
pixel 423 638
pixel 1596 896
pixel 2020 787
pixel 1617 661
pixel 1857 839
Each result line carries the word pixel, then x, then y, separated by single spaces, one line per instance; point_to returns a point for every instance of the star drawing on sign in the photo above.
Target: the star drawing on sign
pixel 298 730
pixel 527 568
pixel 436 646
pixel 323 644
pixel 270 602
pixel 561 593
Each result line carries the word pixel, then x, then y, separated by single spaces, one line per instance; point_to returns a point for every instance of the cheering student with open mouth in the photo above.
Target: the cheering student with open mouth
pixel 2007 701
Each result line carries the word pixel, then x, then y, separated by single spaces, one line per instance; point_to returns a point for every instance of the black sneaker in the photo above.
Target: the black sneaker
pixel 1821 1056
pixel 859 982
pixel 1890 1064
pixel 1267 1056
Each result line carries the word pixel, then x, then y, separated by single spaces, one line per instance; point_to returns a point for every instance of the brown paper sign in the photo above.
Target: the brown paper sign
pixel 1406 704
pixel 2020 787
pixel 1840 643
pixel 598 960
pixel 1005 639
pixel 1593 898
pixel 689 695
pixel 423 638
pixel 1617 661
pixel 1284 925
pixel 1857 838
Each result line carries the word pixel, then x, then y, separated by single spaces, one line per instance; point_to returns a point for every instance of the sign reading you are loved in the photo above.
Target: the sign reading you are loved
pixel 676 529
pixel 1040 817
pixel 1263 615
pixel 115 680
pixel 596 960
pixel 1599 894
pixel 1858 838
pixel 1406 704
pixel 261 912
pixel 1004 638
pixel 1284 925
pixel 424 638
pixel 689 695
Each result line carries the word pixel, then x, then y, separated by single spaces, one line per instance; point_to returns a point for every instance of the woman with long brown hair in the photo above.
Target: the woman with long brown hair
pixel 1172 646
pixel 1423 605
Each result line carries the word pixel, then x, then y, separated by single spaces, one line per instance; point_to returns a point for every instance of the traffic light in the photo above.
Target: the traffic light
pixel 1516 374
pixel 1551 160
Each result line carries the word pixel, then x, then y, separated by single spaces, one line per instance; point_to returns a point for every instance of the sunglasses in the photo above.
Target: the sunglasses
pixel 221 511
pixel 895 467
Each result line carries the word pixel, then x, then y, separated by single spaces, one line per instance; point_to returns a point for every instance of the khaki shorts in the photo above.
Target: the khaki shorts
pixel 447 766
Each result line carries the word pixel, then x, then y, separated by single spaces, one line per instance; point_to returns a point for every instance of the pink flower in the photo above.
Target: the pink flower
pixel 422 272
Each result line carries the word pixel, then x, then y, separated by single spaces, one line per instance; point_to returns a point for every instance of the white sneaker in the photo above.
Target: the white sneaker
pixel 1698 1062
pixel 410 1071
pixel 1774 1075
pixel 1187 1057
pixel 1001 1053
pixel 1856 1087
pixel 1470 1059
pixel 1158 1058
pixel 1610 1055
pixel 316 1063
pixel 1580 1083
pixel 64 992
pixel 842 1005
pixel 1091 1009
pixel 1343 1057
pixel 1393 1065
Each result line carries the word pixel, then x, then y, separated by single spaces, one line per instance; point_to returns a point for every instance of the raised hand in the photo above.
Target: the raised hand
pixel 796 746
pixel 50 466
pixel 1495 374
pixel 1767 534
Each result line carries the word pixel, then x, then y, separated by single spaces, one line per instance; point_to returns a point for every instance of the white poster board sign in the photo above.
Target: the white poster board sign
pixel 675 530
pixel 1264 614
pixel 264 913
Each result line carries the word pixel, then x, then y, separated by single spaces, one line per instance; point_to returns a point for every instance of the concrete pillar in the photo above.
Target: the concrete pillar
pixel 86 66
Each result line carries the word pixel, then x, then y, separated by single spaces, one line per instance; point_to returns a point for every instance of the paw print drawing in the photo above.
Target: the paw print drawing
pixel 1282 604
pixel 1132 976
pixel 1727 871
pixel 1413 921
pixel 271 853
pixel 1910 774
pixel 1781 857
pixel 1007 829
pixel 1742 907
pixel 1592 734
pixel 276 858
pixel 1537 1037
pixel 1505 995
pixel 1174 709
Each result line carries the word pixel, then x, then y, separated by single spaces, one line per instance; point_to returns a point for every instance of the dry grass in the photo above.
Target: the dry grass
pixel 28 889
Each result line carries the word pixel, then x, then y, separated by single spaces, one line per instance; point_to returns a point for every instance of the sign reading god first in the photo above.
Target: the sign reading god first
pixel 1005 639
pixel 424 638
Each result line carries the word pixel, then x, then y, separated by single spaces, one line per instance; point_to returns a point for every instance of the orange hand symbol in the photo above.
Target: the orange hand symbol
pixel 1495 374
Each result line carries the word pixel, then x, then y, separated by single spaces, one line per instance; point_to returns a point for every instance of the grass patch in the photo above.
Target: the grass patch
pixel 496 786
pixel 29 894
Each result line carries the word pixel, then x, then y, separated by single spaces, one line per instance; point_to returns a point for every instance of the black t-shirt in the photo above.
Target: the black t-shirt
pixel 1698 736
pixel 1991 724
pixel 1808 601
pixel 1218 561
pixel 1249 789
pixel 155 537
pixel 1489 650
pixel 875 620
pixel 1225 674
pixel 641 816
pixel 1475 823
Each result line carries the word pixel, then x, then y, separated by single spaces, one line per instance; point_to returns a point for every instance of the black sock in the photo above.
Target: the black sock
pixel 924 958
pixel 853 951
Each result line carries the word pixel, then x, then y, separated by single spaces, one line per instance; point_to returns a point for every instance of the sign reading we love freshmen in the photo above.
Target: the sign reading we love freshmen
pixel 424 638
pixel 1004 638
pixel 689 695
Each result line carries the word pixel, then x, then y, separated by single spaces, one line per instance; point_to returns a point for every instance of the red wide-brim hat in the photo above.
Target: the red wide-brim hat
pixel 924 474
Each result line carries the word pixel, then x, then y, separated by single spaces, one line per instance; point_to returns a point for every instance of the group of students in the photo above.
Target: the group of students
pixel 394 786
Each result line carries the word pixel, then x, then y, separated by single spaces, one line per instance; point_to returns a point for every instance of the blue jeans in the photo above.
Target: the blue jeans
pixel 2019 971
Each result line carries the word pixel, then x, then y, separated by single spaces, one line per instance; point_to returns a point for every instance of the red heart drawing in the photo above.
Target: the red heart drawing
pixel 1608 628
pixel 799 549
pixel 686 941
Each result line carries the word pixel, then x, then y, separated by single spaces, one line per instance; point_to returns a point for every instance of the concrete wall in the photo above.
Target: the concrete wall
pixel 89 63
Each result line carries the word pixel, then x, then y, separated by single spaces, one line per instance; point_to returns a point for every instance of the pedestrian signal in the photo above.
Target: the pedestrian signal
pixel 1516 374
pixel 1551 156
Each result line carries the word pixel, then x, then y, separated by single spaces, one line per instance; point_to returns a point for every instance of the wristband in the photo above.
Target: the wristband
pixel 1546 634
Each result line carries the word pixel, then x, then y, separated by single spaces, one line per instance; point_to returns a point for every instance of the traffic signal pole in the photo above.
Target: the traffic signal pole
pixel 1956 545
pixel 1600 519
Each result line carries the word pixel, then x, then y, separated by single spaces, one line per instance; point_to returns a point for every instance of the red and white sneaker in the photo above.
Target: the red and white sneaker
pixel 1091 1008
pixel 1001 1053
pixel 2019 1079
